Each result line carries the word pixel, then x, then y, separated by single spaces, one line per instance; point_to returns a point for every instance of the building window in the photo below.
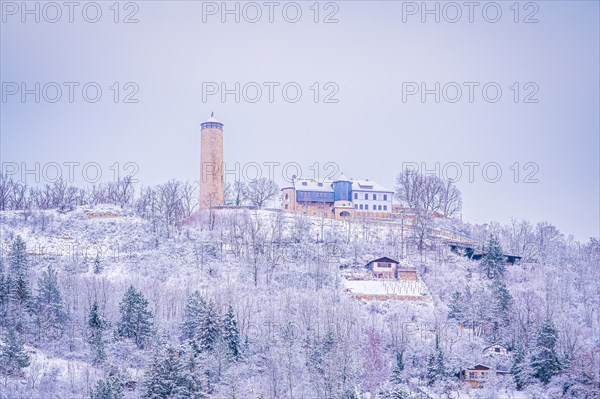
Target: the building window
pixel 385 197
pixel 366 195
pixel 374 196
pixel 286 206
pixel 287 196
pixel 497 350
pixel 361 207
pixel 355 206
pixel 366 207
pixel 355 195
pixel 472 375
pixel 385 207
pixel 378 207
pixel 304 183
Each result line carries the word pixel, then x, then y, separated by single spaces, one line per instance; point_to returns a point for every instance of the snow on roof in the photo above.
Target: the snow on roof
pixel 368 185
pixel 213 120
pixel 343 177
pixel 313 185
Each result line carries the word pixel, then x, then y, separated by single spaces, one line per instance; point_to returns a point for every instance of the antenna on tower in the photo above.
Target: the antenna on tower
pixel 212 114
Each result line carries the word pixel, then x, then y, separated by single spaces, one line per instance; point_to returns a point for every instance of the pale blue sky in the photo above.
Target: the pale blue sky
pixel 369 133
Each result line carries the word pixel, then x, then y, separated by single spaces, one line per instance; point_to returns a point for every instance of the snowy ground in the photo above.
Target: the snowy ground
pixel 387 289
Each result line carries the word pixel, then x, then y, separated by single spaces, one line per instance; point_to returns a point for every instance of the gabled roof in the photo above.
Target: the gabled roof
pixel 480 367
pixel 369 185
pixel 495 344
pixel 384 259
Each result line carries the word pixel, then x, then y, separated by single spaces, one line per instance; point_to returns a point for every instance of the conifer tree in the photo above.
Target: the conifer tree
pixel 493 259
pixel 50 314
pixel 193 315
pixel 209 329
pixel 3 294
pixel 96 325
pixel 110 388
pixel 544 361
pixel 136 320
pixel 231 335
pixel 519 369
pixel 456 304
pixel 169 377
pixel 97 264
pixel 501 308
pixel 396 376
pixel 436 368
pixel 17 286
pixel 13 357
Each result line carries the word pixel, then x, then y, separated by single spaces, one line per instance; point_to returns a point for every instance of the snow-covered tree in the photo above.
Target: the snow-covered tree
pixel 50 315
pixel 17 286
pixel 97 265
pixel 493 258
pixel 13 357
pixel 3 294
pixel 136 320
pixel 261 190
pixel 193 315
pixel 169 377
pixel 436 367
pixel 110 388
pixel 520 368
pixel 231 335
pixel 544 360
pixel 209 329
pixel 456 306
pixel 96 325
pixel 397 371
pixel 375 368
pixel 501 308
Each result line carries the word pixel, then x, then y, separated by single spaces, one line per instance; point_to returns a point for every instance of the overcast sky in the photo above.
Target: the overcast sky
pixel 367 120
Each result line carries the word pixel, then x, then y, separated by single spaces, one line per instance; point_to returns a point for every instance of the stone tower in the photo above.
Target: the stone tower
pixel 212 180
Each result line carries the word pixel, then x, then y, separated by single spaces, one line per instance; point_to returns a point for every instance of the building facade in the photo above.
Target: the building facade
pixel 339 198
pixel 212 179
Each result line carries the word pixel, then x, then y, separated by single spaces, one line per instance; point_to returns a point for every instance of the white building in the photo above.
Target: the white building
pixel 370 196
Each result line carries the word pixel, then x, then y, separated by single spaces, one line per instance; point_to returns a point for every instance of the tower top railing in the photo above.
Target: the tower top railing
pixel 212 125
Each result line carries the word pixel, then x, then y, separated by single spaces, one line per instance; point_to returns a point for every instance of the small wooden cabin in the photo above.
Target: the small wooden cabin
pixel 388 268
pixel 478 374
pixel 383 267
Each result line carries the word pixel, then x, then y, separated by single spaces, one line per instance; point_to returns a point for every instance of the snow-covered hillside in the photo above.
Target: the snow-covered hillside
pixel 274 315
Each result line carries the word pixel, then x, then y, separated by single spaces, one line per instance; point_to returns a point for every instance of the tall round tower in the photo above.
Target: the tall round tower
pixel 212 180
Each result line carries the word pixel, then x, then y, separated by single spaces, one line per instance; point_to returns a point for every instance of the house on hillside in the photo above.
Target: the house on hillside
pixel 477 375
pixel 388 268
pixel 495 350
pixel 383 267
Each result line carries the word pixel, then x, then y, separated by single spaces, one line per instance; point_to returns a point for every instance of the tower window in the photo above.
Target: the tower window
pixel 366 195
pixel 374 196
pixel 385 197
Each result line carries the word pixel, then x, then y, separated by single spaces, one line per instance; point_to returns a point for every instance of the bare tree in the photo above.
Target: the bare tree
pixel 429 193
pixel 261 190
